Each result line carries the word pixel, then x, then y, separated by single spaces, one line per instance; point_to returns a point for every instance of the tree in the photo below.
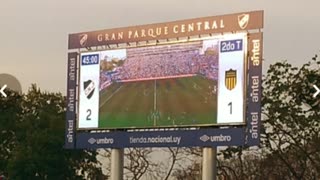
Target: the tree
pixel 290 142
pixel 35 122
pixel 138 162
pixel 291 118
pixel 190 172
pixel 8 121
pixel 142 163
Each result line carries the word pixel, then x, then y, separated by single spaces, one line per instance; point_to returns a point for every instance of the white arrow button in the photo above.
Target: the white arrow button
pixel 2 90
pixel 316 93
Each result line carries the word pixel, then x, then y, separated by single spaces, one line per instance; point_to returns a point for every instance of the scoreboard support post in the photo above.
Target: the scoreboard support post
pixel 117 164
pixel 209 163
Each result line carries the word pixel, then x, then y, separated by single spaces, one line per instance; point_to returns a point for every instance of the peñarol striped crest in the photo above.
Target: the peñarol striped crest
pixel 231 79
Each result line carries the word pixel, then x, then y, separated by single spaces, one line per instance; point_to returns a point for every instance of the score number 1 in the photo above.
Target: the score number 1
pixel 230 104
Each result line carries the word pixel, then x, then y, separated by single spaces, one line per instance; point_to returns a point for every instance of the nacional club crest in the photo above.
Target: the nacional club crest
pixel 230 79
pixel 243 20
pixel 83 38
pixel 89 88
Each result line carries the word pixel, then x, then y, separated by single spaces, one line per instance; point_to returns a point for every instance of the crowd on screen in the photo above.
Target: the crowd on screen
pixel 144 63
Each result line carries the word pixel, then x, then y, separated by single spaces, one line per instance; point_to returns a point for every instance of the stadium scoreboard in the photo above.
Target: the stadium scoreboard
pixel 212 72
pixel 151 77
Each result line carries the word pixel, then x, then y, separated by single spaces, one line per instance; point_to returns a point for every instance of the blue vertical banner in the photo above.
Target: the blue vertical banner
pixel 255 50
pixel 71 101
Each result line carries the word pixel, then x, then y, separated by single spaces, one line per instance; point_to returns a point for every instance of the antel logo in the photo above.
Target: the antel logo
pixel 243 20
pixel 88 88
pixel 83 38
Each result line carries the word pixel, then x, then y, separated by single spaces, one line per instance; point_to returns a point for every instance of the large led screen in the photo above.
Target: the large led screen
pixel 181 84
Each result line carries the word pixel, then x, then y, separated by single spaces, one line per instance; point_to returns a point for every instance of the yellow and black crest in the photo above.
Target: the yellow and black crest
pixel 230 79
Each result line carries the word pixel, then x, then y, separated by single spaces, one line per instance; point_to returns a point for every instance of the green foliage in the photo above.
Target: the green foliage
pixel 290 139
pixel 8 121
pixel 291 118
pixel 32 139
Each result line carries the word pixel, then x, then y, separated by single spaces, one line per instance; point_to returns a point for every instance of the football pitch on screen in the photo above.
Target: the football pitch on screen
pixel 184 101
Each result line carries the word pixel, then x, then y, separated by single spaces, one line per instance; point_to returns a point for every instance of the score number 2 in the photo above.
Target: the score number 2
pixel 230 104
pixel 88 115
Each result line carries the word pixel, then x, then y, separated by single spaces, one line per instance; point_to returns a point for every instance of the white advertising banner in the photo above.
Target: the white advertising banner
pixel 89 90
pixel 231 87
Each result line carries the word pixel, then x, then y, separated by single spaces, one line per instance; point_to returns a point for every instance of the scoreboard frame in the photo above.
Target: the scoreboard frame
pixel 246 133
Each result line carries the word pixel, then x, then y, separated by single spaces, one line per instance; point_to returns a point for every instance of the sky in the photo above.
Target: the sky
pixel 34 33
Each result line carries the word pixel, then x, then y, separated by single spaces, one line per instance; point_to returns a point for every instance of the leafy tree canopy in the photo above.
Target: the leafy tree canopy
pixel 32 139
